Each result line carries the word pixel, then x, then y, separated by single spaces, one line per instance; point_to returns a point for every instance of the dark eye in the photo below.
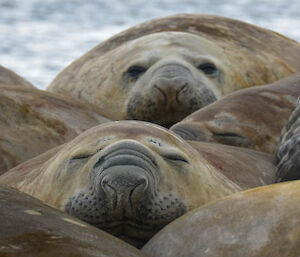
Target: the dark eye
pixel 80 157
pixel 208 68
pixel 176 157
pixel 135 71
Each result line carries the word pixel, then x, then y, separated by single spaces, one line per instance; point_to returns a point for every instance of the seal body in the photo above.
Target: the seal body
pixel 33 121
pixel 32 228
pixel 164 69
pixel 9 78
pixel 132 178
pixel 287 155
pixel 259 222
pixel 251 118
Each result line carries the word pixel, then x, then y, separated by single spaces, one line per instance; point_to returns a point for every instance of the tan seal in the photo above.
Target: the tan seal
pixel 33 121
pixel 31 228
pixel 164 69
pixel 287 155
pixel 9 78
pixel 259 222
pixel 251 118
pixel 132 178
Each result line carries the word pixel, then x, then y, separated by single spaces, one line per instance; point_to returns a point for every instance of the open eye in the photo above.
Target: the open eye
pixel 208 68
pixel 135 71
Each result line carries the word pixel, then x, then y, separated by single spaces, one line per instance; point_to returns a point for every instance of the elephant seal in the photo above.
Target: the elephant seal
pixel 33 121
pixel 251 118
pixel 132 178
pixel 287 155
pixel 8 77
pixel 259 222
pixel 31 228
pixel 164 69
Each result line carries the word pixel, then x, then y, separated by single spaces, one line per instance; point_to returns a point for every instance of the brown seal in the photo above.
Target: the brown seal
pixel 251 118
pixel 259 222
pixel 9 78
pixel 31 228
pixel 132 178
pixel 164 69
pixel 33 121
pixel 287 155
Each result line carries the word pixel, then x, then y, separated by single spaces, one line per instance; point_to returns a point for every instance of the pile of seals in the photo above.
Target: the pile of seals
pixel 166 136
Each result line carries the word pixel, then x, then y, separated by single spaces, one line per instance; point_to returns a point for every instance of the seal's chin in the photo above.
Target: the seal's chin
pixel 131 232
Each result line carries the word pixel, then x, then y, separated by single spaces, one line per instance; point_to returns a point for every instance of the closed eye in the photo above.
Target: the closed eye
pixel 84 156
pixel 80 157
pixel 175 157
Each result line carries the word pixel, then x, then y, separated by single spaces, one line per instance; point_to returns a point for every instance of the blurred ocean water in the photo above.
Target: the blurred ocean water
pixel 40 38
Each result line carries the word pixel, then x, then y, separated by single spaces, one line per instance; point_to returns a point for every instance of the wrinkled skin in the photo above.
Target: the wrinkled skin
pixel 163 70
pixel 287 156
pixel 132 178
pixel 251 118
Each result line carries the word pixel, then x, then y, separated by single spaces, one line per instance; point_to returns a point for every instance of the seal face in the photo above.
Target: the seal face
pixel 287 155
pixel 123 197
pixel 159 78
pixel 164 69
pixel 132 178
pixel 124 181
pixel 171 77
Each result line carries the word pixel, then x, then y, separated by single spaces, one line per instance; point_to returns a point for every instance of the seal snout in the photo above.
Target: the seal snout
pixel 125 188
pixel 125 175
pixel 171 90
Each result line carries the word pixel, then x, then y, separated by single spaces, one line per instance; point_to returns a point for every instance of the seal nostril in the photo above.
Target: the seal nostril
pixel 137 192
pixel 163 94
pixel 110 191
pixel 181 90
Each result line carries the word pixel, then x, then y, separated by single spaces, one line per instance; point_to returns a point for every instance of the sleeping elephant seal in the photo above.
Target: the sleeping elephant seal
pixel 33 121
pixel 251 118
pixel 31 228
pixel 259 222
pixel 164 69
pixel 9 78
pixel 132 178
pixel 287 156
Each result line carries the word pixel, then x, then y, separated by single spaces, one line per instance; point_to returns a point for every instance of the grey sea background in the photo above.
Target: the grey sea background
pixel 40 38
